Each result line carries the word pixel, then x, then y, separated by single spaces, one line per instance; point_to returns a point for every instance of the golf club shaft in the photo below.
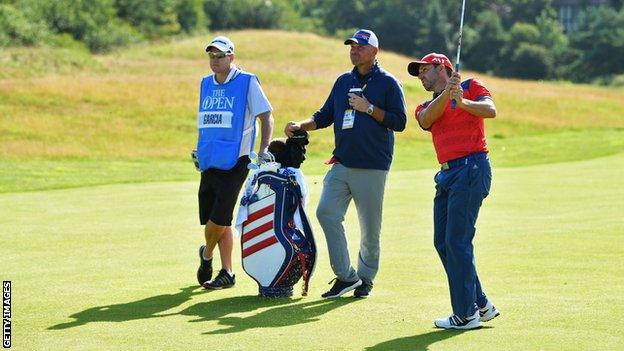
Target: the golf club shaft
pixel 461 29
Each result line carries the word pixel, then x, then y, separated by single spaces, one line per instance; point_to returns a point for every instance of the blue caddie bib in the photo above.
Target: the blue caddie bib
pixel 221 120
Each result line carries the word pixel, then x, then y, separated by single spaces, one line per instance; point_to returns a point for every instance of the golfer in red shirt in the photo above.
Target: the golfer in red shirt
pixel 462 183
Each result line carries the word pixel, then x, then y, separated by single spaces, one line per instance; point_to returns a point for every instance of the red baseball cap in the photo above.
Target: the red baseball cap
pixel 432 58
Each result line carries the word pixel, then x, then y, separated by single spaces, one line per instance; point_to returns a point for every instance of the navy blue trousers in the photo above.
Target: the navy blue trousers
pixel 460 190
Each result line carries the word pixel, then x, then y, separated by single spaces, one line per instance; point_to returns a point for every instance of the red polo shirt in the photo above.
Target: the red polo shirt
pixel 458 133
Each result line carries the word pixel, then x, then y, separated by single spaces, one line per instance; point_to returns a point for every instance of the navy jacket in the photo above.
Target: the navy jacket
pixel 368 144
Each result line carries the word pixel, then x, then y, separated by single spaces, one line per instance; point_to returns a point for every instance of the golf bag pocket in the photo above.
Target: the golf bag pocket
pixel 277 244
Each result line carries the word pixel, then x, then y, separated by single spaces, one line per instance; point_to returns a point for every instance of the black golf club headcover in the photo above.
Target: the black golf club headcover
pixel 295 145
pixel 290 152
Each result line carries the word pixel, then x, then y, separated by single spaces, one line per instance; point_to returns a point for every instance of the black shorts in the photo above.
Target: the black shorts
pixel 218 192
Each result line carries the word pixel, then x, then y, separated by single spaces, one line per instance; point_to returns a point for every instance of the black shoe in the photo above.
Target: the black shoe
pixel 204 272
pixel 223 280
pixel 340 288
pixel 364 290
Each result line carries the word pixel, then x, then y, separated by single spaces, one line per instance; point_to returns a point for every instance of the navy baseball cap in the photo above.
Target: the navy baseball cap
pixel 363 37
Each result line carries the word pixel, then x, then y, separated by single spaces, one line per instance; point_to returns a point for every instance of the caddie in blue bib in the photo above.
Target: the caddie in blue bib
pixel 221 120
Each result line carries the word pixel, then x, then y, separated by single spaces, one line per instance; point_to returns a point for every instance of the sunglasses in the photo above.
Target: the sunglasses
pixel 218 54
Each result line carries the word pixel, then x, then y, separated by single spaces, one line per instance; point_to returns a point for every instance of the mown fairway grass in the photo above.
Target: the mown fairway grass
pixel 112 268
pixel 110 263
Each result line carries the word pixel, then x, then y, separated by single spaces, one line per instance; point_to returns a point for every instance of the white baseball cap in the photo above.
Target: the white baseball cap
pixel 222 44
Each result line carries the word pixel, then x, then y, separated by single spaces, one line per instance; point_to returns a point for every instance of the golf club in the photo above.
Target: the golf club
pixel 461 29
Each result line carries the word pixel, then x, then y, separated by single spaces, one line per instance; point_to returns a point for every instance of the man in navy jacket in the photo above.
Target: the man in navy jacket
pixel 366 106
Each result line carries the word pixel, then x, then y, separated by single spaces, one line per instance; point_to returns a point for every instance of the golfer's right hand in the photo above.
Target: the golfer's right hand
pixel 291 127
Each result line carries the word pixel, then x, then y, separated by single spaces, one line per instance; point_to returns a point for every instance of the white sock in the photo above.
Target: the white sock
pixel 204 255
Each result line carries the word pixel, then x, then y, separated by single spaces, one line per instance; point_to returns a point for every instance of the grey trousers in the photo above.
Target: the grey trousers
pixel 366 188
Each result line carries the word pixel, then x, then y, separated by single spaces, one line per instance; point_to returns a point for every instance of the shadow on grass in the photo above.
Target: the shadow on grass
pixel 276 316
pixel 216 309
pixel 141 309
pixel 417 342
pixel 274 313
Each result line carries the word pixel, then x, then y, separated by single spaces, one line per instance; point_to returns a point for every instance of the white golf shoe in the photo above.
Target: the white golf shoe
pixel 488 312
pixel 456 322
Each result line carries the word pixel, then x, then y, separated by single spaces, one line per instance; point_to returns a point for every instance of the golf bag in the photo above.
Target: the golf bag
pixel 277 244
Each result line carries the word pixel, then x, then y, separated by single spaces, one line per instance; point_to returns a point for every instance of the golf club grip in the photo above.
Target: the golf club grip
pixel 454 103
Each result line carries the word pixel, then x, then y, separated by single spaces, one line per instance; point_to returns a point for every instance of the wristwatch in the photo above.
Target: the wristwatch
pixel 369 110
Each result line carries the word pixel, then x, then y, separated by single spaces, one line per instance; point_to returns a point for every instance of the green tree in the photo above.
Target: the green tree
pixel 551 36
pixel 191 15
pixel 484 43
pixel 233 14
pixel 474 10
pixel 396 23
pixel 600 42
pixel 530 61
pixel 153 18
pixel 92 22
pixel 341 14
pixel 523 56
pixel 435 31
pixel 527 11
pixel 16 28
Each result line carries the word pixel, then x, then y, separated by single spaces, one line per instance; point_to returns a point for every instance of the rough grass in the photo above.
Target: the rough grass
pixel 138 105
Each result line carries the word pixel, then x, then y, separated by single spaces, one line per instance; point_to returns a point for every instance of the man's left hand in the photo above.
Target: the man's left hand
pixel 358 103
pixel 455 91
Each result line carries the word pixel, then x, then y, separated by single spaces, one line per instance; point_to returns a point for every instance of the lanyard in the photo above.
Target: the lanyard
pixel 357 82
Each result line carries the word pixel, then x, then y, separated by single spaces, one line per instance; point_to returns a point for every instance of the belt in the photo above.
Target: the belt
pixel 463 160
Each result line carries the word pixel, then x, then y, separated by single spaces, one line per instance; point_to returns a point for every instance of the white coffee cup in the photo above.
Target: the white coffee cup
pixel 356 91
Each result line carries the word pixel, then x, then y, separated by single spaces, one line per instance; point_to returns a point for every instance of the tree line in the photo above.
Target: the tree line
pixel 511 38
